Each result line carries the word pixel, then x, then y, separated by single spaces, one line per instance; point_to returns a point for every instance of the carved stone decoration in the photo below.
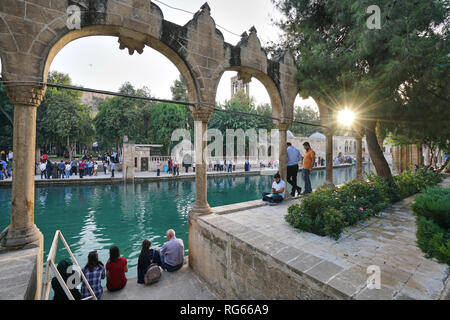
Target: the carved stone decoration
pixel 131 44
pixel 202 114
pixel 25 94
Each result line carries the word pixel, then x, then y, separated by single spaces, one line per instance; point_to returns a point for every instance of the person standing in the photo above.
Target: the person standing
pixel 113 168
pixel 81 168
pixel 48 169
pixel 95 169
pixel 43 168
pixel 308 163
pixel 61 169
pixel 10 158
pixel 68 167
pixel 293 158
pixel 158 168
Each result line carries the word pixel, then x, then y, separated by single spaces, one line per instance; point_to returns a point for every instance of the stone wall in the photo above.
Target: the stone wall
pixel 236 270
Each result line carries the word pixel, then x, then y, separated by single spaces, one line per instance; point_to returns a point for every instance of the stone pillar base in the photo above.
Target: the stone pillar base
pixel 19 238
pixel 200 210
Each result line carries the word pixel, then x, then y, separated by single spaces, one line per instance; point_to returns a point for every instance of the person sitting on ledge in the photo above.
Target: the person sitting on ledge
pixel 60 294
pixel 147 257
pixel 172 253
pixel 116 268
pixel 278 191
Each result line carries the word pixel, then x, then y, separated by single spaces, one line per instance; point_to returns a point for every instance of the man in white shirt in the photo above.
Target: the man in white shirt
pixel 43 168
pixel 278 191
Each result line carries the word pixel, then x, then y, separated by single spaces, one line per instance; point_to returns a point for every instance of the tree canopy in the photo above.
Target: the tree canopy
pixel 382 74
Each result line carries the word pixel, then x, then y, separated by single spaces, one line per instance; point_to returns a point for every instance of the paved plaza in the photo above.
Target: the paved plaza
pixel 387 241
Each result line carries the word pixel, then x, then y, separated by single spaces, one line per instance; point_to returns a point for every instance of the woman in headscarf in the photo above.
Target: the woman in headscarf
pixel 62 267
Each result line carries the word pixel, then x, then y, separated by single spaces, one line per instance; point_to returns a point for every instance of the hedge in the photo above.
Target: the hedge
pixel 433 223
pixel 329 210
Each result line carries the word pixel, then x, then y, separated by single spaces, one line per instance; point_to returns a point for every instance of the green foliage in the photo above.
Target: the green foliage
pixel 433 240
pixel 397 75
pixel 309 115
pixel 165 118
pixel 6 118
pixel 120 117
pixel 434 204
pixel 61 118
pixel 329 210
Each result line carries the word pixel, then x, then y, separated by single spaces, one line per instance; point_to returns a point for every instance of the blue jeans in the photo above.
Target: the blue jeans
pixel 276 198
pixel 67 174
pixel 305 174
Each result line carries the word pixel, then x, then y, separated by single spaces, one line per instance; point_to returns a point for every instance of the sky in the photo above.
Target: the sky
pixel 97 62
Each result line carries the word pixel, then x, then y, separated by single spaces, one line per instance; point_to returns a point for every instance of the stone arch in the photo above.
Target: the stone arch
pixel 269 84
pixel 125 43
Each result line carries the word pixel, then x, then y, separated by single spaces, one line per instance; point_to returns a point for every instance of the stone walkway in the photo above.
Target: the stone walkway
pixel 388 241
pixel 182 285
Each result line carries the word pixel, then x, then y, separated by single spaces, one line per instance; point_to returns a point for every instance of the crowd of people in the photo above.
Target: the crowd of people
pixel 86 167
pixel 6 164
pixel 169 258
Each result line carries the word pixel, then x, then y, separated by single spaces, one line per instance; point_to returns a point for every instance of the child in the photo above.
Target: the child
pixel 95 168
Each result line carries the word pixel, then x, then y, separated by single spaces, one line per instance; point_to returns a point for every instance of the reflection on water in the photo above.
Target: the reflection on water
pixel 98 217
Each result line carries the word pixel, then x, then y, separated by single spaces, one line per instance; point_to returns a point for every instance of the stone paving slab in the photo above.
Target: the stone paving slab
pixel 181 285
pixel 388 241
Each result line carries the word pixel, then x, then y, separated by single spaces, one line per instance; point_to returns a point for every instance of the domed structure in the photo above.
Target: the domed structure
pixel 318 136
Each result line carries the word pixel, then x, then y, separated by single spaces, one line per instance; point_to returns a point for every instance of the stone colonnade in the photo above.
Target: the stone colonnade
pixel 33 32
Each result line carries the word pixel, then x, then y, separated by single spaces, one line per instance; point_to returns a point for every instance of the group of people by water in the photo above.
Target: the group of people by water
pixel 169 258
pixel 279 187
pixel 6 162
pixel 87 166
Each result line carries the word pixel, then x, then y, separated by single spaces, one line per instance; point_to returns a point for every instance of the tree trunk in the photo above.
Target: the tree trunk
pixel 376 153
pixel 444 166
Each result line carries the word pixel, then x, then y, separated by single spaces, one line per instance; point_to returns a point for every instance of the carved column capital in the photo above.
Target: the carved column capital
pixel 25 94
pixel 202 114
pixel 284 125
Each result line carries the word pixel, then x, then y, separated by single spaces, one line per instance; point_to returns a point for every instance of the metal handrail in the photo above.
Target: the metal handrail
pixel 51 269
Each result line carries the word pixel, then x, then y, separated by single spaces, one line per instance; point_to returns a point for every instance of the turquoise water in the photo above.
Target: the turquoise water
pixel 98 217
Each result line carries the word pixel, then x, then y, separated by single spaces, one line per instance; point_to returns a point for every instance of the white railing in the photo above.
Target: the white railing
pixel 51 269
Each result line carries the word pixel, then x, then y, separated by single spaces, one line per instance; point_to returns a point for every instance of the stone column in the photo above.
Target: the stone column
pixel 201 119
pixel 282 140
pixel 329 180
pixel 22 230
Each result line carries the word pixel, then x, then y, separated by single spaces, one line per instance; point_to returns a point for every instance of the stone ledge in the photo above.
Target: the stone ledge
pixel 21 272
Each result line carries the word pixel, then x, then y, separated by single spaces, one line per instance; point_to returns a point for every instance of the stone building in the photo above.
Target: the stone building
pixel 238 85
pixel 93 100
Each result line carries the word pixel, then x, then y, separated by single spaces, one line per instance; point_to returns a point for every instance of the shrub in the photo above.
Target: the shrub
pixel 433 240
pixel 328 211
pixel 434 204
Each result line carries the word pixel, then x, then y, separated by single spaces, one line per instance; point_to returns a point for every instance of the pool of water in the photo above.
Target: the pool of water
pixel 98 217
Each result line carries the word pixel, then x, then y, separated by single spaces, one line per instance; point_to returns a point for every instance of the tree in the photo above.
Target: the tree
pixel 180 93
pixel 61 118
pixel 306 114
pixel 6 119
pixel 343 62
pixel 165 119
pixel 119 117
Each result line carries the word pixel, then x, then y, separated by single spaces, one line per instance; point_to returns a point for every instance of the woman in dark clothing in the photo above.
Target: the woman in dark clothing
pixel 62 267
pixel 146 258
